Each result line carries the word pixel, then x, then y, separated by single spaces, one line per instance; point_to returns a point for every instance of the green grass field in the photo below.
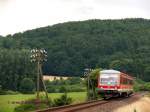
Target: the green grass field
pixel 7 106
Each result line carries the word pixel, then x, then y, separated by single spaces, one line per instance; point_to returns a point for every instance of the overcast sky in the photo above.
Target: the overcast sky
pixel 21 15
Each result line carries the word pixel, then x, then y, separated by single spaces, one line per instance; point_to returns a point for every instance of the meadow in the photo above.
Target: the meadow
pixel 7 105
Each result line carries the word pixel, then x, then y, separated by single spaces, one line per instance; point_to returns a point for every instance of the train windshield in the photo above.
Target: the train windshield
pixel 109 79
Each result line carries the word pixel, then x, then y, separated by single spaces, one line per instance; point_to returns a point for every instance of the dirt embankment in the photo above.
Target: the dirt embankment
pixel 136 103
pixel 141 105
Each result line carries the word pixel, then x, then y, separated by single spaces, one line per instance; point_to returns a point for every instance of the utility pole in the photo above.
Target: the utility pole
pixel 39 57
pixel 87 74
pixel 38 80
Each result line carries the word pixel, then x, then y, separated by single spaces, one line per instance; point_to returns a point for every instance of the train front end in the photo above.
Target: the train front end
pixel 108 83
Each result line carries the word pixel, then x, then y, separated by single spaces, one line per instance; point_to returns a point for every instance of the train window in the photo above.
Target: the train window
pixel 109 81
pixel 124 80
pixel 128 81
pixel 131 82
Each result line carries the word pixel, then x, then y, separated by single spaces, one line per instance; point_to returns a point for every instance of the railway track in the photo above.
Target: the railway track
pixel 75 107
pixel 85 105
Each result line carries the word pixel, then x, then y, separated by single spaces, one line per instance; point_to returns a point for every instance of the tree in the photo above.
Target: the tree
pixel 27 85
pixel 93 84
pixel 15 65
pixel 74 46
pixel 123 65
pixel 147 73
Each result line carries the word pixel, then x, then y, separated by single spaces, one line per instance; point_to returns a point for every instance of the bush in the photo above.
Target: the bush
pixel 55 89
pixel 136 87
pixel 9 92
pixel 140 85
pixel 63 100
pixel 30 105
pixel 147 86
pixel 51 89
pixel 27 86
pixel 75 88
pixel 66 88
pixel 73 80
pixel 62 89
pixel 2 92
pixel 25 108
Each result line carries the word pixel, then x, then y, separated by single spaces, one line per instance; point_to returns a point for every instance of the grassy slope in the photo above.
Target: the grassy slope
pixel 5 106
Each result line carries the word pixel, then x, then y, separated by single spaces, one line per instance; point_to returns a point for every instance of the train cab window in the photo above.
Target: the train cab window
pixel 109 81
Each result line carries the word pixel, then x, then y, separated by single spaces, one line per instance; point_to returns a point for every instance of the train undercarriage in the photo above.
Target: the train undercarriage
pixel 106 94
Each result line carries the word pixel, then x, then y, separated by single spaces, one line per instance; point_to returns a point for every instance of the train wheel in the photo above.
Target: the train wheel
pixel 104 98
pixel 126 95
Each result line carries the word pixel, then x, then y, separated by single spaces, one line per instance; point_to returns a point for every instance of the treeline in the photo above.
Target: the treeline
pixel 120 44
pixel 15 65
pixel 72 84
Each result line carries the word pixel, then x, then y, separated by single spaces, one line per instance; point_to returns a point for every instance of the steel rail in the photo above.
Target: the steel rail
pixel 74 107
pixel 81 106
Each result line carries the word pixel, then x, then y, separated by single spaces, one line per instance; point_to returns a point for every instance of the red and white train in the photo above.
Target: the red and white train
pixel 112 83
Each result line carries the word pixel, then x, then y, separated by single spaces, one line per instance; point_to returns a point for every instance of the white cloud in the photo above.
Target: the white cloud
pixel 21 15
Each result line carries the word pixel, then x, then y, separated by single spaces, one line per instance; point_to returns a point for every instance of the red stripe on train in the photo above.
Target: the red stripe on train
pixel 116 86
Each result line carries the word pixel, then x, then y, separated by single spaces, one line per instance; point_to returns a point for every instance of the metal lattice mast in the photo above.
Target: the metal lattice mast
pixel 39 57
pixel 87 74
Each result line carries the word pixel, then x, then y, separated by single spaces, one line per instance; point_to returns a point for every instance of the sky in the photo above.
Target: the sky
pixel 21 15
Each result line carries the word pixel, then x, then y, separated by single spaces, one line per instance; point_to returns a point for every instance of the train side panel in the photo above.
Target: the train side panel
pixel 126 85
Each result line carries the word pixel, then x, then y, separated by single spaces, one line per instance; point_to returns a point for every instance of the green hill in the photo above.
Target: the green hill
pixel 120 44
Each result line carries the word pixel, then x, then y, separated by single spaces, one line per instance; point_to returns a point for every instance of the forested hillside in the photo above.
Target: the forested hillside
pixel 120 44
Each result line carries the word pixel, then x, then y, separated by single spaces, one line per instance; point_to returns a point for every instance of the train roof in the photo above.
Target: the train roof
pixel 110 71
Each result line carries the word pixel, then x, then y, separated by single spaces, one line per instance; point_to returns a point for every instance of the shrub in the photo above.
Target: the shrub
pixel 62 89
pixel 73 80
pixel 75 88
pixel 30 105
pixel 51 89
pixel 63 100
pixel 140 85
pixel 27 86
pixel 2 92
pixel 10 92
pixel 136 87
pixel 147 86
pixel 25 108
